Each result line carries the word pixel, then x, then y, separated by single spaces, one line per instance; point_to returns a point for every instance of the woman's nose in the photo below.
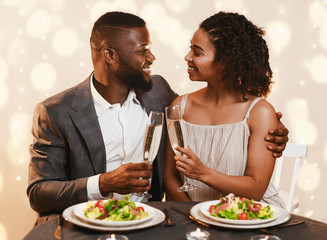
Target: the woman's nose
pixel 188 57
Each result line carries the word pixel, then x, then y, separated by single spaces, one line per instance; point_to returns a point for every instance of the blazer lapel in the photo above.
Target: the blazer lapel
pixel 85 119
pixel 149 100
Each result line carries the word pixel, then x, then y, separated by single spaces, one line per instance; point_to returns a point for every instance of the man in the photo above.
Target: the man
pixel 88 139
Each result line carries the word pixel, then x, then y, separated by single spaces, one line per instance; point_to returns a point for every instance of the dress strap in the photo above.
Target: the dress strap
pixel 183 103
pixel 251 106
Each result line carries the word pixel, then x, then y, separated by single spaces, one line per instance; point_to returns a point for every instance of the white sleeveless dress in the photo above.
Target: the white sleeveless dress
pixel 223 148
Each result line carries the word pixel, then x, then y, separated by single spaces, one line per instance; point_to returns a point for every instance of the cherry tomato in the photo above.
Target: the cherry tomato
pixel 257 205
pixel 101 208
pixel 243 216
pixel 211 208
pixel 99 203
pixel 139 208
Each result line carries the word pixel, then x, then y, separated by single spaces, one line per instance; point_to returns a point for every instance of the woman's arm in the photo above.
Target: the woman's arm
pixel 260 162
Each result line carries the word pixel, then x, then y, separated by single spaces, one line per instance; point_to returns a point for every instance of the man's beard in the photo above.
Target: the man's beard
pixel 132 77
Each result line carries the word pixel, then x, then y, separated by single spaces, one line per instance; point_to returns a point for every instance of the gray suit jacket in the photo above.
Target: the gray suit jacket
pixel 68 146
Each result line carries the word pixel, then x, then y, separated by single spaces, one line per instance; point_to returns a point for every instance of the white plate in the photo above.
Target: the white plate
pixel 196 212
pixel 79 212
pixel 205 211
pixel 158 217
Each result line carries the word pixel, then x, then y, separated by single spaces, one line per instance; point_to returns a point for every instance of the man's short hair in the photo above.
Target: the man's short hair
pixel 112 25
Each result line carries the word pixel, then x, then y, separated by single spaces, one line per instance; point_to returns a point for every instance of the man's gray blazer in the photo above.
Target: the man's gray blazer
pixel 68 146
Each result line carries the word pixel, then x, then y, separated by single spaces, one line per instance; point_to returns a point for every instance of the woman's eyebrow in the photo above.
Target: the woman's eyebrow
pixel 198 47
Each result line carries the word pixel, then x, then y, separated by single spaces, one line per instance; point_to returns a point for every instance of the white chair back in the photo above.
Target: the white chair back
pixel 297 151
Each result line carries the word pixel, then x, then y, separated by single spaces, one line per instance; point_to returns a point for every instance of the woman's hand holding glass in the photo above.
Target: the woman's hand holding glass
pixel 177 137
pixel 189 164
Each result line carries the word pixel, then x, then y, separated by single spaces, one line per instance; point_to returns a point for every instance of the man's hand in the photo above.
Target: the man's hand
pixel 279 137
pixel 126 179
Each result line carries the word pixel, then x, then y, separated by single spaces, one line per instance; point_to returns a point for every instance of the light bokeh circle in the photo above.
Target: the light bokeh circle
pixel 168 30
pixel 318 69
pixel 11 3
pixel 229 6
pixel 3 70
pixel 65 42
pixel 297 109
pixel 278 35
pixel 20 125
pixel 181 45
pixel 153 13
pixel 323 36
pixel 4 94
pixel 304 132
pixel 56 5
pixel 99 8
pixel 3 232
pixel 26 7
pixel 17 155
pixel 43 76
pixel 318 13
pixel 17 54
pixel 38 23
pixel 126 6
pixel 1 182
pixel 177 6
pixel 309 177
pixel 325 152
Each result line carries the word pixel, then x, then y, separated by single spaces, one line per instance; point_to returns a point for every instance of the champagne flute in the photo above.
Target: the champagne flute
pixel 151 141
pixel 176 132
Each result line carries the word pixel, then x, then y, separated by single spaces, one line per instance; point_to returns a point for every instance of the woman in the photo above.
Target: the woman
pixel 226 122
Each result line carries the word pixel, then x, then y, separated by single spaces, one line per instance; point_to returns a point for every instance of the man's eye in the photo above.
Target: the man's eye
pixel 142 51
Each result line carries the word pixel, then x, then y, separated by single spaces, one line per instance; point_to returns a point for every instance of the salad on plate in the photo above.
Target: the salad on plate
pixel 234 209
pixel 114 210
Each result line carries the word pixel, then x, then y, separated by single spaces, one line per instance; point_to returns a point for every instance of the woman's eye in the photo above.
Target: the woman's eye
pixel 196 53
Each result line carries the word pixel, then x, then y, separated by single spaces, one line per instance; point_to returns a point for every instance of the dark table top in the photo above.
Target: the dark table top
pixel 310 229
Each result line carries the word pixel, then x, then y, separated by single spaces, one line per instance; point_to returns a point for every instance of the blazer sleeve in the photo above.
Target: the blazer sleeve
pixel 49 188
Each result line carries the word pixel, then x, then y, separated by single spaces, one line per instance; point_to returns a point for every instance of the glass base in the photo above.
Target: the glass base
pixel 186 188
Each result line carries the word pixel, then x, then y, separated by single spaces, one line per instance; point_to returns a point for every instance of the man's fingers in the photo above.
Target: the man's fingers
pixel 277 155
pixel 276 149
pixel 276 139
pixel 137 166
pixel 278 132
pixel 134 189
pixel 279 115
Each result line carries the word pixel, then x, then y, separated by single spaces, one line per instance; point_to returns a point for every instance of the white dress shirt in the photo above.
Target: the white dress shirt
pixel 122 128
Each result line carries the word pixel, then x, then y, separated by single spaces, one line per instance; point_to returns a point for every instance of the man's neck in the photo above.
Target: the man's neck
pixel 113 91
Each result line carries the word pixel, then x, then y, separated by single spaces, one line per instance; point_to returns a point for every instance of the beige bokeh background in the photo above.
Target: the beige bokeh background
pixel 44 49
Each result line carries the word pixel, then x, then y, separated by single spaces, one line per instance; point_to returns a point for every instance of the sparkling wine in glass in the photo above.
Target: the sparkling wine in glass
pixel 176 132
pixel 151 141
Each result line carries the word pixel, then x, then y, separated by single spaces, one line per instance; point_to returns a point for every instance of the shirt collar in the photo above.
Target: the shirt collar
pixel 101 105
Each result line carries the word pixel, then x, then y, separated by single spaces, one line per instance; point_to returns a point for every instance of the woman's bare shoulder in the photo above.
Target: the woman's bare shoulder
pixel 192 97
pixel 263 106
pixel 177 101
pixel 263 111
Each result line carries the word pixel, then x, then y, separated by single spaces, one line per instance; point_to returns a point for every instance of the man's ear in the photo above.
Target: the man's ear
pixel 110 55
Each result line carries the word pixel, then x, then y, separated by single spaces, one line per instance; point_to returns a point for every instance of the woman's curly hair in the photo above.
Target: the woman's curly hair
pixel 242 50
